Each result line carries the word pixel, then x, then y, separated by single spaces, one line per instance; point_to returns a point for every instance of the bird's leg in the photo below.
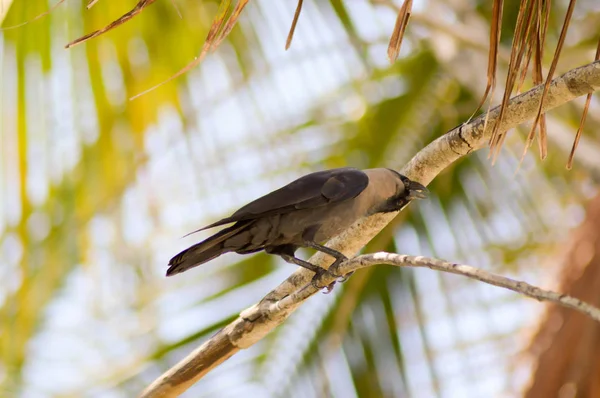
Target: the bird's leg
pixel 287 252
pixel 314 268
pixel 305 264
pixel 339 257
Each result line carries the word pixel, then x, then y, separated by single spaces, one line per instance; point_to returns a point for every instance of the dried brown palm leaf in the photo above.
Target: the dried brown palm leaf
pixel 537 75
pixel 534 36
pixel 139 7
pixel 495 32
pixel 531 44
pixel 177 9
pixel 561 40
pixel 399 28
pixel 230 23
pixel 583 117
pixel 217 24
pixel 537 42
pixel 219 29
pixel 524 18
pixel 288 42
pixel 91 4
pixel 34 18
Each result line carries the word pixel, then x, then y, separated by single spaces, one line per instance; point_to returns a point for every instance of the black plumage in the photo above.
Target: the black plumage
pixel 305 213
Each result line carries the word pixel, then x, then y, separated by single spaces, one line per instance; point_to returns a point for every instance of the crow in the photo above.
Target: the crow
pixel 305 213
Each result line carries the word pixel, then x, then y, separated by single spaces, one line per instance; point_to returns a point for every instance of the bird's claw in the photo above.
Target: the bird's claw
pixel 316 277
pixel 329 288
pixel 344 278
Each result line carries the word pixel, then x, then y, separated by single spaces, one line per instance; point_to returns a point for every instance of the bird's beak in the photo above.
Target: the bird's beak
pixel 417 191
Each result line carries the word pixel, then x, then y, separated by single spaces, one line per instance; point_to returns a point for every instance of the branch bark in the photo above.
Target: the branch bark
pixel 402 260
pixel 255 322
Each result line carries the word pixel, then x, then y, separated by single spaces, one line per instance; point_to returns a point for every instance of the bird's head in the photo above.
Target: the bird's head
pixel 391 191
pixel 406 191
pixel 415 190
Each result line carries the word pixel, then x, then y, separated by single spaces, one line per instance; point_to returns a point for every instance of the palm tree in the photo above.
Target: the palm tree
pixel 97 189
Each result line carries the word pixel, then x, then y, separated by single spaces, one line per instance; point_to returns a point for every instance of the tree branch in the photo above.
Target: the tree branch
pixel 402 260
pixel 255 322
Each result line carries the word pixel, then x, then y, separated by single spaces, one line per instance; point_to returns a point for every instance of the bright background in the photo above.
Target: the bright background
pixel 96 191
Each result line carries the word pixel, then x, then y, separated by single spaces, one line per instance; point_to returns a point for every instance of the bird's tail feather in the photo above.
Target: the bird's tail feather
pixel 204 251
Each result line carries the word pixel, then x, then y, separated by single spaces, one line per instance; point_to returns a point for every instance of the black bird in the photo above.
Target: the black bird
pixel 305 213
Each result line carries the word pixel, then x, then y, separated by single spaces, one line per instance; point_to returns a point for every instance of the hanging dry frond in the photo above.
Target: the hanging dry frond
pixel 217 25
pixel 536 43
pixel 221 26
pixel 536 72
pixel 536 40
pixel 399 28
pixel 583 117
pixel 495 32
pixel 531 44
pixel 91 4
pixel 561 40
pixel 34 18
pixel 516 56
pixel 177 9
pixel 139 7
pixel 230 23
pixel 288 42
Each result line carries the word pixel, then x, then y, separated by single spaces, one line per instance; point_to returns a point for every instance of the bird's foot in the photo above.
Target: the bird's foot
pixel 316 285
pixel 344 278
pixel 334 267
pixel 328 288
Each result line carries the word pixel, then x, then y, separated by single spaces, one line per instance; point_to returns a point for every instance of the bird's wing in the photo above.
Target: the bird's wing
pixel 312 190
